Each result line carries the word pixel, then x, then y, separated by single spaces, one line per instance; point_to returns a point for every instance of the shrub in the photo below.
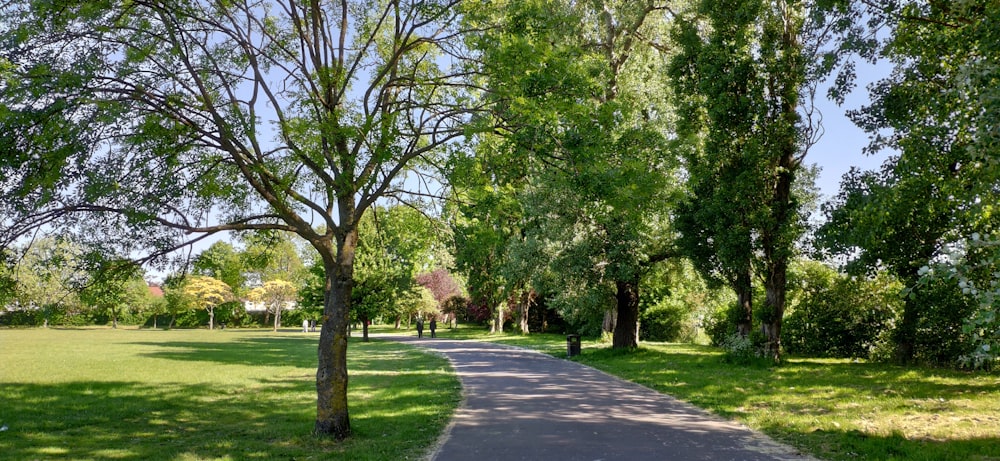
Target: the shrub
pixel 721 324
pixel 744 350
pixel 664 321
pixel 939 338
pixel 838 316
pixel 478 312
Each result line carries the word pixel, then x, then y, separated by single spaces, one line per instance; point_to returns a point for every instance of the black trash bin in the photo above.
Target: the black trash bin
pixel 572 345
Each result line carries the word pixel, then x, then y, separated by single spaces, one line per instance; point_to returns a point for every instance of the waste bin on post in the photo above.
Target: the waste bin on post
pixel 572 345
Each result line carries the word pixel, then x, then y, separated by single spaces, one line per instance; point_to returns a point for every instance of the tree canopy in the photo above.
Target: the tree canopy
pixel 147 125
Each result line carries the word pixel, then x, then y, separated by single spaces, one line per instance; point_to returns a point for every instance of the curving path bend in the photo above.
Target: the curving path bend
pixel 525 405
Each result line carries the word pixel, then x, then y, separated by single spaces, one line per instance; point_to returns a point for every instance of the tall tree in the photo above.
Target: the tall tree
pixel 744 78
pixel 576 94
pixel 149 124
pixel 223 262
pixel 114 286
pixel 48 275
pixel 938 110
pixel 485 217
pixel 272 256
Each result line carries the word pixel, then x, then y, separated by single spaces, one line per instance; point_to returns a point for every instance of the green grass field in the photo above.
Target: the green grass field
pixel 835 409
pixel 102 394
pixel 106 394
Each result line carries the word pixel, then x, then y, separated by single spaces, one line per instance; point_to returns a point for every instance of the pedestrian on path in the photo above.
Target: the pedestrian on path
pixel 305 325
pixel 434 326
pixel 420 327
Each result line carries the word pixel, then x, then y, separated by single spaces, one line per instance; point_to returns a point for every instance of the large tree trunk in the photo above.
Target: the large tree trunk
pixel 524 309
pixel 778 236
pixel 777 251
pixel 608 324
pixel 497 325
pixel 331 374
pixel 744 298
pixel 905 334
pixel 627 325
pixel 775 287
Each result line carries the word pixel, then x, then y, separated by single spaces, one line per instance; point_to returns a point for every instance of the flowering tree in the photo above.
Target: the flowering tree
pixel 276 296
pixel 207 293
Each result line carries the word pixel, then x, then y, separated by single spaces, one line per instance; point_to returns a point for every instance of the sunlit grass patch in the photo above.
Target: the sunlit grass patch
pixel 836 409
pixel 209 395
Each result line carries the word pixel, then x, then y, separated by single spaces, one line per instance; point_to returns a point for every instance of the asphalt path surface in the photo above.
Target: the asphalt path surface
pixel 523 405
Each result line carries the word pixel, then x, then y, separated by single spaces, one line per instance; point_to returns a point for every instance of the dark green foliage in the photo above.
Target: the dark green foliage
pixel 839 316
pixel 457 306
pixel 938 112
pixel 664 322
pixel 543 318
pixel 723 323
pixel 22 318
pixel 938 338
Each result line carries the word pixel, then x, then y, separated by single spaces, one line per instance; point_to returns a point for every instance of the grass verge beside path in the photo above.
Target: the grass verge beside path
pixel 835 409
pixel 209 395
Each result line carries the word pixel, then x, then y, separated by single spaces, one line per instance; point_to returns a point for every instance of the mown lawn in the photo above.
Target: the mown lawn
pixel 835 409
pixel 102 394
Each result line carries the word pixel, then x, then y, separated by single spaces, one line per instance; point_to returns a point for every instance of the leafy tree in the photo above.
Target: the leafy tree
pixel 394 244
pixel 154 305
pixel 272 256
pixel 223 262
pixel 442 285
pixel 577 98
pixel 8 284
pixel 484 216
pixel 114 289
pixel 276 296
pixel 207 293
pixel 743 80
pixel 177 299
pixel 938 110
pixel 48 275
pixel 147 125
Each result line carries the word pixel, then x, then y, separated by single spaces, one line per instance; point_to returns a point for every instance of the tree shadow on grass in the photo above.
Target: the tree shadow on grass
pixel 253 351
pixel 853 444
pixel 295 351
pixel 793 400
pixel 129 420
pixel 271 419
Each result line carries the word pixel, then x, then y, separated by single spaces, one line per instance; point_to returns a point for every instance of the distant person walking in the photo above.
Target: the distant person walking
pixel 434 325
pixel 420 327
pixel 305 325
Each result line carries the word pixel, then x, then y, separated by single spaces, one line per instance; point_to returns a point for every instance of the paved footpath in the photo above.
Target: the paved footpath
pixel 524 405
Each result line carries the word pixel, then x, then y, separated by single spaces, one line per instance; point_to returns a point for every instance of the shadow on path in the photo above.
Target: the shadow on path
pixel 524 405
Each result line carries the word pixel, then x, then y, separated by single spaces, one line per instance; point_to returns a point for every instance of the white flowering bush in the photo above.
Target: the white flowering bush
pixel 974 265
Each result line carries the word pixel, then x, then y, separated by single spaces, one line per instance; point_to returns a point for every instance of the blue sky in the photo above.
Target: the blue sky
pixel 841 146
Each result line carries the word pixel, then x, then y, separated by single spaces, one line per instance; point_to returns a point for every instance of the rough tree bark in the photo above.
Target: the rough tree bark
pixel 331 376
pixel 626 334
